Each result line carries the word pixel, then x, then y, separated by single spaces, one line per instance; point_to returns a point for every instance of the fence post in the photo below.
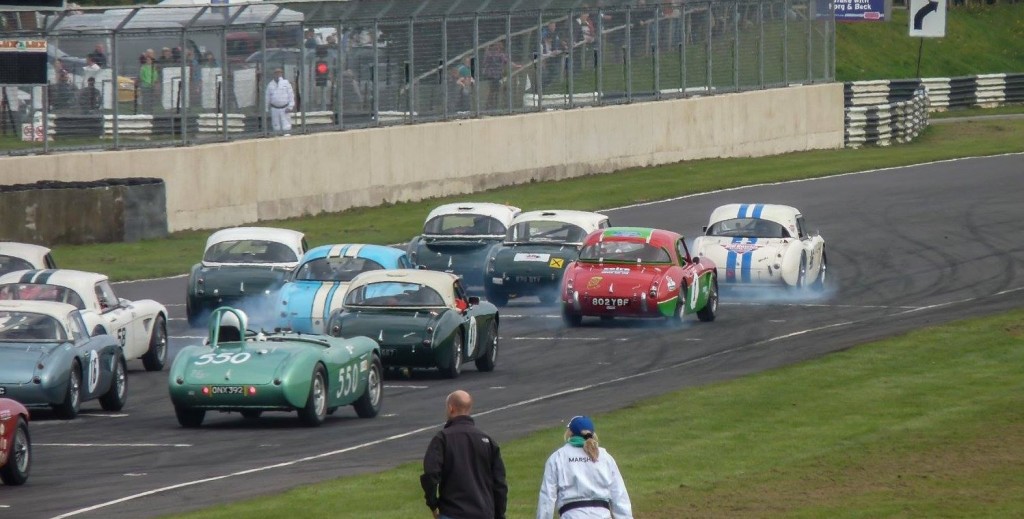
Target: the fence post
pixel 508 58
pixel 760 43
pixel 785 42
pixel 810 40
pixel 184 92
pixel 339 90
pixel 736 46
pixel 115 91
pixel 475 69
pixel 711 22
pixel 410 74
pixel 375 74
pixel 444 66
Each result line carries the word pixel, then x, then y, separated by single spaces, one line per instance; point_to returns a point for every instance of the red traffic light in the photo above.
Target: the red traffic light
pixel 321 68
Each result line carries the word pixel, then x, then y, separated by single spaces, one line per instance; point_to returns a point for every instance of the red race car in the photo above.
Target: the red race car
pixel 15 444
pixel 638 272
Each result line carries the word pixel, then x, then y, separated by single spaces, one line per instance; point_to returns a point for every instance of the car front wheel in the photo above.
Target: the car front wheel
pixel 19 456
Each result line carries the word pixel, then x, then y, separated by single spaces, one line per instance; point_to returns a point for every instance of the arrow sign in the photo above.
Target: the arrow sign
pixel 930 7
pixel 928 18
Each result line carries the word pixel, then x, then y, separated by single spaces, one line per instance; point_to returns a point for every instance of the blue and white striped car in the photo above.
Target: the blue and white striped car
pixel 763 244
pixel 318 284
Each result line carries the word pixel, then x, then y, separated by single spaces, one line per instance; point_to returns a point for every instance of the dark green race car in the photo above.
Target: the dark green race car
pixel 538 247
pixel 248 372
pixel 243 267
pixel 420 319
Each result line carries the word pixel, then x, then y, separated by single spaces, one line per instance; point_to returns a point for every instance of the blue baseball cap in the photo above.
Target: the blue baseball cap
pixel 578 424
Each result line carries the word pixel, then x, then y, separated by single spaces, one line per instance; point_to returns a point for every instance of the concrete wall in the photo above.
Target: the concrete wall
pixel 220 185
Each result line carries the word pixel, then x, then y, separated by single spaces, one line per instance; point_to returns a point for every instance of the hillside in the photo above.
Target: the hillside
pixel 979 40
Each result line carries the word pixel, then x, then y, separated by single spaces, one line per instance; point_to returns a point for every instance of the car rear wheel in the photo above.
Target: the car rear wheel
pixel 801 276
pixel 115 397
pixel 496 296
pixel 820 281
pixel 316 405
pixel 707 314
pixel 570 318
pixel 455 358
pixel 548 298
pixel 156 356
pixel 190 418
pixel 487 361
pixel 68 409
pixel 19 456
pixel 368 404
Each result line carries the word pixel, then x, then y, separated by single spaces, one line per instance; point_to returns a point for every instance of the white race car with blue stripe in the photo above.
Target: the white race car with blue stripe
pixel 318 285
pixel 763 244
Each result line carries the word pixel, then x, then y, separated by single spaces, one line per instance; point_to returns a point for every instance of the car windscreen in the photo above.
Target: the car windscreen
pixel 12 264
pixel 249 251
pixel 624 252
pixel 464 225
pixel 335 269
pixel 748 228
pixel 41 292
pixel 545 231
pixel 30 327
pixel 392 293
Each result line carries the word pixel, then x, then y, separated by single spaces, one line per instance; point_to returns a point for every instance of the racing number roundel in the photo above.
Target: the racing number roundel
pixel 94 371
pixel 471 337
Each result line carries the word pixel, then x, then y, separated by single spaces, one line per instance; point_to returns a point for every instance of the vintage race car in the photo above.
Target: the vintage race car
pixel 317 287
pixel 24 256
pixel 140 326
pixel 248 372
pixel 458 238
pixel 763 244
pixel 536 250
pixel 421 319
pixel 638 272
pixel 47 358
pixel 243 267
pixel 15 443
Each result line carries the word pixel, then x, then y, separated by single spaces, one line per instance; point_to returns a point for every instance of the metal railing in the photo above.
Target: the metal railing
pixel 188 75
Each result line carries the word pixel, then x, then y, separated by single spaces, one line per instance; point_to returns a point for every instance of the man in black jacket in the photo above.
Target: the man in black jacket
pixel 463 474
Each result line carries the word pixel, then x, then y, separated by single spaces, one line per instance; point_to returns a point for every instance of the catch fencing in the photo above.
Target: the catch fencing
pixel 181 75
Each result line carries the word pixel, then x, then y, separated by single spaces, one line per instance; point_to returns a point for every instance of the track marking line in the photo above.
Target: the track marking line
pixel 816 305
pixel 135 474
pixel 175 445
pixel 809 330
pixel 130 281
pixel 188 336
pixel 526 316
pixel 390 386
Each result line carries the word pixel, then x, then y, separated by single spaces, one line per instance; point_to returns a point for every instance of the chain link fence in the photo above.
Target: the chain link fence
pixel 158 76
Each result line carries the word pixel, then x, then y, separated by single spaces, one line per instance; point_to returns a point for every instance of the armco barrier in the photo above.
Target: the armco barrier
pixel 985 90
pixel 233 183
pixel 109 210
pixel 887 123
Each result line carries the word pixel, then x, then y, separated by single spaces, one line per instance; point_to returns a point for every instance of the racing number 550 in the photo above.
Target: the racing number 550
pixel 221 358
pixel 348 380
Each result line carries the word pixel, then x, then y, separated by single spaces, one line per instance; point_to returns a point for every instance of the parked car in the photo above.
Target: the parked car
pixel 242 267
pixel 538 247
pixel 15 443
pixel 638 272
pixel 139 326
pixel 420 319
pixel 247 372
pixel 47 358
pixel 763 244
pixel 318 286
pixel 458 238
pixel 24 256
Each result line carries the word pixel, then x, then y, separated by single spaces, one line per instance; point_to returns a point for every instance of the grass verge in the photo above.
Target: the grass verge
pixel 398 222
pixel 929 424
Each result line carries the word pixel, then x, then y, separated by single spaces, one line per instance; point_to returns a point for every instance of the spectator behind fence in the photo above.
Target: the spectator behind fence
pixel 98 56
pixel 280 102
pixel 63 94
pixel 148 80
pixel 495 65
pixel 90 99
pixel 464 82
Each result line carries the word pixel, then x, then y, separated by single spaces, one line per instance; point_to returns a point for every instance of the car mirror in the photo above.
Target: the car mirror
pixel 474 300
pixel 704 229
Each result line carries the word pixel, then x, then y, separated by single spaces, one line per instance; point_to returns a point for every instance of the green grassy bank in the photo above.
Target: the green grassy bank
pixel 929 424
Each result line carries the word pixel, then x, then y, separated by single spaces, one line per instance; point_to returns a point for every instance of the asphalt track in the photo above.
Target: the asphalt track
pixel 907 248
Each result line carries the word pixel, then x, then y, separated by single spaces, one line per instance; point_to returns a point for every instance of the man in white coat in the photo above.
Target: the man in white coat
pixel 280 102
pixel 581 479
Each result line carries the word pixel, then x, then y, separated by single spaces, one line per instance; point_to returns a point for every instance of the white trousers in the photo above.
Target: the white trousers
pixel 280 120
